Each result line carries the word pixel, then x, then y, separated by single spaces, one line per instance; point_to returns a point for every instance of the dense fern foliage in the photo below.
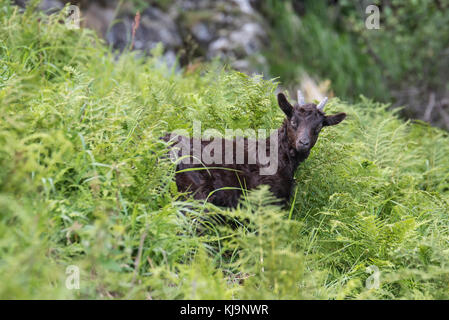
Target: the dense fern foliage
pixel 83 182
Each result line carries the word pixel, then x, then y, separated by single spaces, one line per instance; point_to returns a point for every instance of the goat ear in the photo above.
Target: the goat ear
pixel 285 105
pixel 334 119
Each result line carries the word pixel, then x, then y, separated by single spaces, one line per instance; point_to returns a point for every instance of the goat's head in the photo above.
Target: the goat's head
pixel 305 121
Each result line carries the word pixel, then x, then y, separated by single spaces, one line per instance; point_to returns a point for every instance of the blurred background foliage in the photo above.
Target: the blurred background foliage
pixel 405 62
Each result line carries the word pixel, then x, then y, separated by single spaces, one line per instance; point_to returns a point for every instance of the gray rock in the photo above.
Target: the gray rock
pixel 232 30
pixel 245 6
pixel 51 6
pixel 202 32
pixel 248 37
pixel 155 26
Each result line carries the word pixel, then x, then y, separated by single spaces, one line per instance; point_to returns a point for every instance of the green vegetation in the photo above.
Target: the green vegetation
pixel 83 182
pixel 405 61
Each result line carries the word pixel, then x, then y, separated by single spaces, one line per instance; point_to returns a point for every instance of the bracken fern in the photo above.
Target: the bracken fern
pixel 84 181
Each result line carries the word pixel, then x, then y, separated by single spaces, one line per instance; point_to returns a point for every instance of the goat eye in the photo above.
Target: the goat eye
pixel 294 123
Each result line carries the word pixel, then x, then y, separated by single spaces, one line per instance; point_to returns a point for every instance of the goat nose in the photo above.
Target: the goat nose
pixel 304 142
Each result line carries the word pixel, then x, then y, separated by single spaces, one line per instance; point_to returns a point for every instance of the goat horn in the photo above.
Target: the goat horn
pixel 321 105
pixel 301 100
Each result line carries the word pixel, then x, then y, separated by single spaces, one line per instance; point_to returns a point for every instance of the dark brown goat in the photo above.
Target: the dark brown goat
pixel 224 180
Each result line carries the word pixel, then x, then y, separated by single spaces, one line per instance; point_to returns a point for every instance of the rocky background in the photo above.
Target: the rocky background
pixel 194 30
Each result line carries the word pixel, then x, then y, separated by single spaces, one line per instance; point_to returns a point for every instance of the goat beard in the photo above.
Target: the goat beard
pixel 301 153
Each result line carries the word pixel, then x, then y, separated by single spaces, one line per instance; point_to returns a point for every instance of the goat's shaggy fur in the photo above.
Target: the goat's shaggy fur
pixel 223 184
